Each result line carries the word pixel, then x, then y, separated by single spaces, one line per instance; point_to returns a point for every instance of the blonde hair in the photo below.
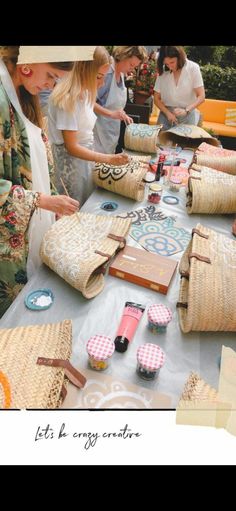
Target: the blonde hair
pixel 83 78
pixel 121 53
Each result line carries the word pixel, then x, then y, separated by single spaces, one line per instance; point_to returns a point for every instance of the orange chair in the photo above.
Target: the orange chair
pixel 214 115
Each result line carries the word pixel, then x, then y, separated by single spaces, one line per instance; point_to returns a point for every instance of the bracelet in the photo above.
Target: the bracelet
pixel 36 201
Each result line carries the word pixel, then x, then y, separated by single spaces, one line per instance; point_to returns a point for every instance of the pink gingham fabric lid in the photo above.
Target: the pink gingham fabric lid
pixel 159 314
pixel 150 356
pixel 176 180
pixel 100 347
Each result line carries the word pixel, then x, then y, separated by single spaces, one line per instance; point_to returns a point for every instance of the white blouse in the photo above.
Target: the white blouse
pixel 182 94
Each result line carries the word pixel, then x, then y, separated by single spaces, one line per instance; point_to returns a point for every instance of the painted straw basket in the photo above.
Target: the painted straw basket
pixel 224 164
pixel 36 367
pixel 127 180
pixel 142 138
pixel 214 151
pixel 77 247
pixel 187 135
pixel 210 191
pixel 208 283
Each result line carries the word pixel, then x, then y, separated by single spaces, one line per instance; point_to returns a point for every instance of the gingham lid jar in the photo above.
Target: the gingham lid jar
pixel 100 349
pixel 150 359
pixel 159 316
pixel 174 184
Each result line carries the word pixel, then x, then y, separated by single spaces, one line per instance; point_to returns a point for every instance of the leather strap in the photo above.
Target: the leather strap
pixel 184 274
pixel 121 239
pixel 72 374
pixel 199 233
pixel 63 392
pixel 102 254
pixel 181 305
pixel 199 257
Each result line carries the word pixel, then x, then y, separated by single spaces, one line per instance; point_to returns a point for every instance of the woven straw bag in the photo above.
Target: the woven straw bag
pixel 214 151
pixel 77 247
pixel 187 135
pixel 224 164
pixel 142 137
pixel 196 389
pixel 210 191
pixel 127 180
pixel 35 362
pixel 207 293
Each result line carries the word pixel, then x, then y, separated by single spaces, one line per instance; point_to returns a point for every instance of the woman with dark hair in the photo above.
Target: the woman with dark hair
pixel 24 171
pixel 179 88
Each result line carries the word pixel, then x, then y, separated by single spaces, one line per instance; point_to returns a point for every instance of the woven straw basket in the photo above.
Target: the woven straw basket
pixel 224 164
pixel 34 382
pixel 207 294
pixel 142 137
pixel 127 180
pixel 210 191
pixel 196 389
pixel 214 151
pixel 187 135
pixel 77 247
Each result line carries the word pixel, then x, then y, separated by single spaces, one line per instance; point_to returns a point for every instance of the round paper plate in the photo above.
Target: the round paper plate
pixel 39 300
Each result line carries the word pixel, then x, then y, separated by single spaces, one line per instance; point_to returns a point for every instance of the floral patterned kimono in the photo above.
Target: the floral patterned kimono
pixel 17 201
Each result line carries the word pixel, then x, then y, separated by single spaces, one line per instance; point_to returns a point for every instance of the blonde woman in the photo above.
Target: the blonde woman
pixel 71 121
pixel 112 97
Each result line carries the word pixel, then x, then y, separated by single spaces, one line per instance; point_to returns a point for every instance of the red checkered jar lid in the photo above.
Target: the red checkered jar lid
pixel 176 180
pixel 100 347
pixel 150 356
pixel 159 314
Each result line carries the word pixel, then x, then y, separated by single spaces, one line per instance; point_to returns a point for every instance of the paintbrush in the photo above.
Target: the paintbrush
pixel 64 186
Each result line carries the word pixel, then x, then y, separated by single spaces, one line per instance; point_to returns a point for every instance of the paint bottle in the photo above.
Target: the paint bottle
pixel 159 167
pixel 130 319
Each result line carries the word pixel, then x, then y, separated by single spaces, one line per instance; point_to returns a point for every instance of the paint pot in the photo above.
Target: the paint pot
pixel 100 349
pixel 159 316
pixel 174 184
pixel 150 359
pixel 154 193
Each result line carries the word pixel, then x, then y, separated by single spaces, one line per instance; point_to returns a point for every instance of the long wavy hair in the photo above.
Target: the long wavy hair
pixel 29 102
pixel 82 81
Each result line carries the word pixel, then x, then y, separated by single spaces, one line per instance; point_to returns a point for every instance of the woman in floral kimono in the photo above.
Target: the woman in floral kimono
pixel 24 171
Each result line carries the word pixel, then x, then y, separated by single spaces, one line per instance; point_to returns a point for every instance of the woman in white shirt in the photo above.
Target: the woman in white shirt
pixel 71 120
pixel 179 90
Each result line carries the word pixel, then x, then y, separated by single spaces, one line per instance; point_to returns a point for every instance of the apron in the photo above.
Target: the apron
pixel 76 173
pixel 41 221
pixel 107 130
pixel 191 118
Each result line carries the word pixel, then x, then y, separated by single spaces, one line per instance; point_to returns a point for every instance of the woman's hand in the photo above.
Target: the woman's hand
pixel 180 112
pixel 122 116
pixel 118 159
pixel 59 204
pixel 171 117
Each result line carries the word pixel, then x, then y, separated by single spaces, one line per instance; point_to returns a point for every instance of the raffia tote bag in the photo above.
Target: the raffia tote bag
pixel 207 293
pixel 187 135
pixel 210 191
pixel 224 164
pixel 142 138
pixel 78 246
pixel 35 363
pixel 127 180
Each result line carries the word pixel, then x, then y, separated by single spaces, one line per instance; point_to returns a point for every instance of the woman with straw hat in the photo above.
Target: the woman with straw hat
pixel 24 173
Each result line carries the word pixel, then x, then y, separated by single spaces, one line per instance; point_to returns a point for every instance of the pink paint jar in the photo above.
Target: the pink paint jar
pixel 150 359
pixel 174 184
pixel 100 349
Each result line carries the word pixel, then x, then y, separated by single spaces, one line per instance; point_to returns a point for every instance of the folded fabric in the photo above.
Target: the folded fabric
pixel 127 180
pixel 187 135
pixel 142 137
pixel 35 363
pixel 208 283
pixel 210 191
pixel 77 247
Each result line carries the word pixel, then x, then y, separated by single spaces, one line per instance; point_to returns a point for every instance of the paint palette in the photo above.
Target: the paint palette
pixel 38 300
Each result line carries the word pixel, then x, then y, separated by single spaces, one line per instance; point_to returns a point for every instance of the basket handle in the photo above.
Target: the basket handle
pixel 199 257
pixel 121 239
pixel 199 233
pixel 72 374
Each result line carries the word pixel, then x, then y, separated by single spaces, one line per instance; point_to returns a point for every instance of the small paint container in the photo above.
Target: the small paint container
pixel 154 193
pixel 174 184
pixel 159 316
pixel 150 359
pixel 100 349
